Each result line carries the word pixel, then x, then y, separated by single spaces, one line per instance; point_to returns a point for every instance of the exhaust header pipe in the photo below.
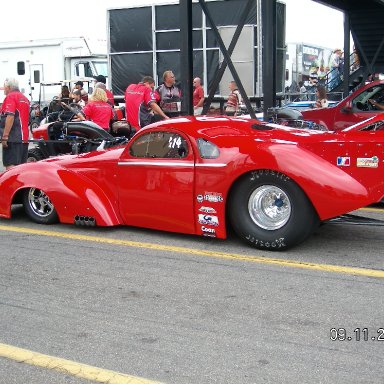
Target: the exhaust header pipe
pixel 87 221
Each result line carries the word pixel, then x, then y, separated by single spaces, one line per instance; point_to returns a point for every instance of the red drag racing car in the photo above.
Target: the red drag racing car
pixel 272 184
pixel 351 110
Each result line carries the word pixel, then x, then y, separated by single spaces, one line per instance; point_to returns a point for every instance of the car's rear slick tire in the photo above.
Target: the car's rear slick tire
pixel 270 211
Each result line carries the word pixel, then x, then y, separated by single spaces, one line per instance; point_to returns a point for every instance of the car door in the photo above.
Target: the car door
pixel 156 182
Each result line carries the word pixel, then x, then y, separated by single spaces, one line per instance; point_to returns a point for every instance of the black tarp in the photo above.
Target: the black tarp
pixel 135 49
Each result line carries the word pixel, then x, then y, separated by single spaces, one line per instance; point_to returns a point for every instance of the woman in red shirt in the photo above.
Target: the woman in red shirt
pixel 98 109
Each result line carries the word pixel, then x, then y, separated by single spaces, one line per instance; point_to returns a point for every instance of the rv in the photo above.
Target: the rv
pixel 34 62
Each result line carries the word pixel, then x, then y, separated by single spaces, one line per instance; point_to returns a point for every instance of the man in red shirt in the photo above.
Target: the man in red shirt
pixel 14 125
pixel 139 102
pixel 198 96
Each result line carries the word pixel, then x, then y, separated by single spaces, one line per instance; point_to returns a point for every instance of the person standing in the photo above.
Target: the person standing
pixel 313 83
pixel 168 95
pixel 303 91
pixel 14 125
pixel 335 64
pixel 234 100
pixel 198 96
pixel 140 102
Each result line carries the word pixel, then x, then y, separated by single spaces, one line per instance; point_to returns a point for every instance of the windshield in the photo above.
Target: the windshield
pixel 376 93
pixel 101 67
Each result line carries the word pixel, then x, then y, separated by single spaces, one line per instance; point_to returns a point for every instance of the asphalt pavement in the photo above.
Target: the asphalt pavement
pixel 210 311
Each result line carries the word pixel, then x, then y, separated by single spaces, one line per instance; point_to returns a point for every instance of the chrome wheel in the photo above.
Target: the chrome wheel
pixel 39 203
pixel 269 207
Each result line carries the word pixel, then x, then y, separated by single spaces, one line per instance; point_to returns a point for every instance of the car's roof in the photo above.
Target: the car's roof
pixel 224 127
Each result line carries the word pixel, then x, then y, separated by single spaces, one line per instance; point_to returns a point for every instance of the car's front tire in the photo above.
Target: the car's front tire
pixel 35 154
pixel 270 211
pixel 39 207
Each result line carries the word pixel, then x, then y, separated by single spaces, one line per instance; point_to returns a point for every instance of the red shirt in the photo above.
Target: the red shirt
pixel 138 97
pixel 99 112
pixel 110 96
pixel 198 94
pixel 16 104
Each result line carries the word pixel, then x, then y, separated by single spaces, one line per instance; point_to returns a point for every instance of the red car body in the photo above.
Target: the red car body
pixel 191 175
pixel 351 110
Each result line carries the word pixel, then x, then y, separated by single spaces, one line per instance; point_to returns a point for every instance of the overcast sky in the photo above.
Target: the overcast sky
pixel 307 21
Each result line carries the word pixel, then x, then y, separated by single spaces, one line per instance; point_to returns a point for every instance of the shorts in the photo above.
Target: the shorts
pixel 15 154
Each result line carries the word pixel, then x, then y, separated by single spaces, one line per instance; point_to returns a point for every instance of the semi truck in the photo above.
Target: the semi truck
pixel 35 62
pixel 145 40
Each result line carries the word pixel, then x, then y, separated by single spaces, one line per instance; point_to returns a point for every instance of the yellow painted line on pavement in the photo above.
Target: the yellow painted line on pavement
pixel 69 367
pixel 198 252
pixel 368 209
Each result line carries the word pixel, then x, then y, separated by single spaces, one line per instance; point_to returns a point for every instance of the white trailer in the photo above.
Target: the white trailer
pixel 34 62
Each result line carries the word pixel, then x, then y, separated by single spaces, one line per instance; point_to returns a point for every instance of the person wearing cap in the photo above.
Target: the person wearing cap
pixel 140 101
pixel 84 95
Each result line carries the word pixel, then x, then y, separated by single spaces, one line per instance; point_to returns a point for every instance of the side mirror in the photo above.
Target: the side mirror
pixel 347 107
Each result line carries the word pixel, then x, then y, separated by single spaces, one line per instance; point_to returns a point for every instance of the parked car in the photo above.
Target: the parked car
pixel 197 175
pixel 351 110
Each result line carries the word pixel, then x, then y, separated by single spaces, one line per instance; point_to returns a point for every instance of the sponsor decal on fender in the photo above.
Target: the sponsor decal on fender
pixel 208 231
pixel 208 220
pixel 212 197
pixel 207 209
pixel 367 162
pixel 343 161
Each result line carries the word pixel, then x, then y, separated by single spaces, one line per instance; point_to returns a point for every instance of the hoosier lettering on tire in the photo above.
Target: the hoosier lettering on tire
pixel 270 211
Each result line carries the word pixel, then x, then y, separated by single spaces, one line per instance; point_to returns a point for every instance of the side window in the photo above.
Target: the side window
pixel 160 145
pixel 207 149
pixel 83 69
